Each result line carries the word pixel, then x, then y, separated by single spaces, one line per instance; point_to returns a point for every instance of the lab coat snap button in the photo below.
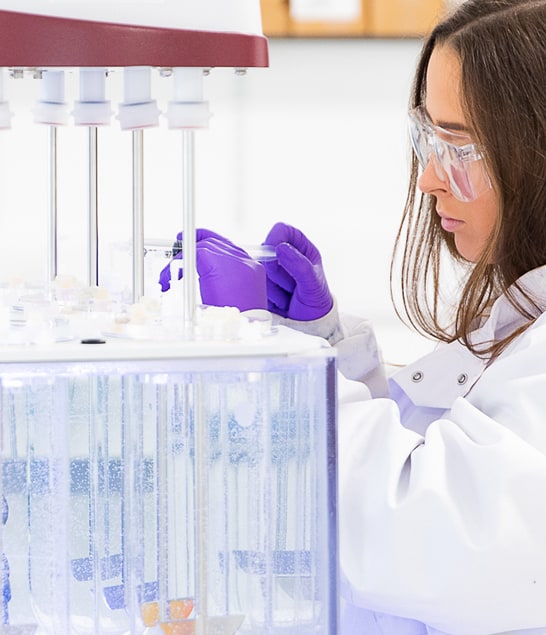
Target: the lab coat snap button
pixel 417 377
pixel 462 379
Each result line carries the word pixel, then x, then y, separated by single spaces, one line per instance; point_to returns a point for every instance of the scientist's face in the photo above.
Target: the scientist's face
pixel 471 223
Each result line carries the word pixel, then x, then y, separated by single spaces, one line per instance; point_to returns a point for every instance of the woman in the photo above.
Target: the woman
pixel 442 474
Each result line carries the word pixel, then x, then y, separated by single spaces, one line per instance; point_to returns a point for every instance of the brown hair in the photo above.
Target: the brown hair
pixel 501 45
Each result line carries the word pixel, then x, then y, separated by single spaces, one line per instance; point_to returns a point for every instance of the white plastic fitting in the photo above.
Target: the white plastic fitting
pixel 5 114
pixel 188 109
pixel 92 109
pixel 51 108
pixel 138 110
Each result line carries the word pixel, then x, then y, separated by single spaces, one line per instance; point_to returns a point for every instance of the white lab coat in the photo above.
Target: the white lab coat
pixel 442 486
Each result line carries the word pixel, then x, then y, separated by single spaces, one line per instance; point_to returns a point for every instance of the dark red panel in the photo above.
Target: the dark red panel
pixel 43 41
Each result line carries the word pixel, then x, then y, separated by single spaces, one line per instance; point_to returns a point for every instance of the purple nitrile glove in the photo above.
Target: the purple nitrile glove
pixel 296 284
pixel 165 275
pixel 228 276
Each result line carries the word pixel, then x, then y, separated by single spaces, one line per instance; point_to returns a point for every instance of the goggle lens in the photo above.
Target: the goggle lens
pixel 458 163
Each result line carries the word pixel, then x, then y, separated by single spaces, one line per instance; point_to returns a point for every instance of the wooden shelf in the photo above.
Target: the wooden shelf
pixel 275 17
pixel 391 18
pixel 378 18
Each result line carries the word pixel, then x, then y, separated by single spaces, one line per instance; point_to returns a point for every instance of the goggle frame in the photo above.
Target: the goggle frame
pixel 452 157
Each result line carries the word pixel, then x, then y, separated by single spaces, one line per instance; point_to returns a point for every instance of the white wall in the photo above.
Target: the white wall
pixel 318 140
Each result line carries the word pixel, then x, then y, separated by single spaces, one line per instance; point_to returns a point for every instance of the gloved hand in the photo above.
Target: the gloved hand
pixel 296 284
pixel 228 276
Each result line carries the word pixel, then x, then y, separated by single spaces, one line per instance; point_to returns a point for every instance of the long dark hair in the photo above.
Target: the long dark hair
pixel 501 45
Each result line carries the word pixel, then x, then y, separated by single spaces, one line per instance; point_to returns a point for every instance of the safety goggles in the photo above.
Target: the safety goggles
pixel 454 158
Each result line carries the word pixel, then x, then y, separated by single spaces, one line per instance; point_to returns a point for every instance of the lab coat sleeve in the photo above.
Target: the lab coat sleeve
pixel 449 527
pixel 358 354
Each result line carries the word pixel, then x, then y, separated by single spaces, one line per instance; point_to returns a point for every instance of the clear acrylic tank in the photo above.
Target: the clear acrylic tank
pixel 169 487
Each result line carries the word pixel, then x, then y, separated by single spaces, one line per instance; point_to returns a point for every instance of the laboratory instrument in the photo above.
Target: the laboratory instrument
pixel 166 467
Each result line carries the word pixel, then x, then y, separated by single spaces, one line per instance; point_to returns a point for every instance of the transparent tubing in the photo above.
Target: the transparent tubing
pixel 52 266
pixel 92 110
pixel 182 548
pixel 201 506
pixel 96 463
pixel 162 505
pixel 137 112
pixel 46 443
pixel 138 214
pixel 60 477
pixel 5 431
pixel 188 232
pixel 132 504
pixel 51 110
pixel 188 112
pixel 93 247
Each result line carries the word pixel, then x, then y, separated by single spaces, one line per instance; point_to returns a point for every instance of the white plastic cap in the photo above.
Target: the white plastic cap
pixel 188 84
pixel 92 114
pixel 138 109
pixel 187 109
pixel 190 115
pixel 138 115
pixel 92 109
pixel 51 108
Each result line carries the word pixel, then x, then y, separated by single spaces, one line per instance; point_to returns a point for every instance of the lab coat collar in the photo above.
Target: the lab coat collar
pixel 436 380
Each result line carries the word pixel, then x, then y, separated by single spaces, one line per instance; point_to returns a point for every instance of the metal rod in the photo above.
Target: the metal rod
pixel 93 268
pixel 52 229
pixel 188 226
pixel 138 214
